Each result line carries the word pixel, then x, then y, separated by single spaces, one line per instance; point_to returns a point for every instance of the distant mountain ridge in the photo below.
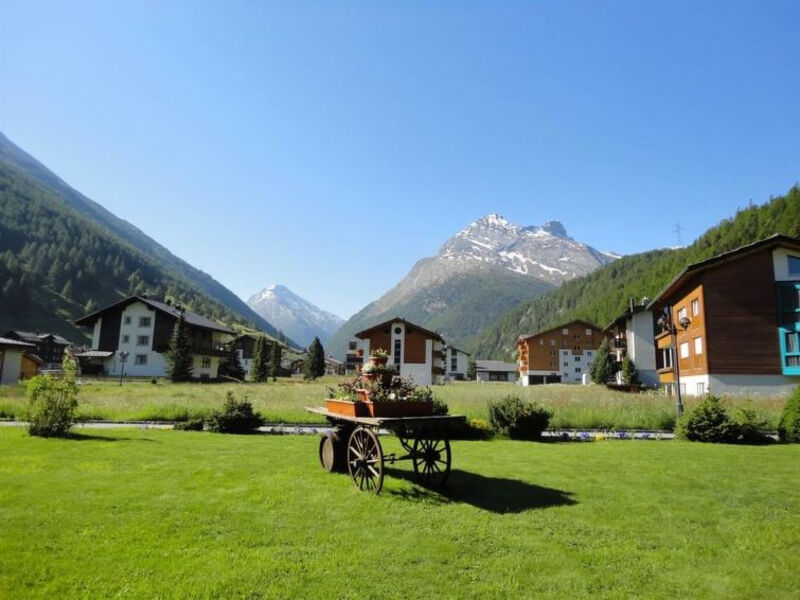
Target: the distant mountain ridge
pixel 482 271
pixel 39 264
pixel 603 294
pixel 295 316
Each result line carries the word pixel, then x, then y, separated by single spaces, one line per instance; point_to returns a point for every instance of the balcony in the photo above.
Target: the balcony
pixel 203 348
pixel 619 344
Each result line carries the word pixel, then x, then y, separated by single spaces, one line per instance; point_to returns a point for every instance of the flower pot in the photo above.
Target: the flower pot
pixel 378 360
pixel 401 408
pixel 347 408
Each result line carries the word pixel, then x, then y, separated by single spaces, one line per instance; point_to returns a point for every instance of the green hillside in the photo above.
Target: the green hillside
pixel 602 295
pixel 195 283
pixel 473 301
pixel 57 264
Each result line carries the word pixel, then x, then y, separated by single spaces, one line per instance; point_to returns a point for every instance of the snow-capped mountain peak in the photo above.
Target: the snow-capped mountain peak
pixel 295 316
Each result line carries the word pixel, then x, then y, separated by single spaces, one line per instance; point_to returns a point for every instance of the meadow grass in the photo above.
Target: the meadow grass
pixel 284 401
pixel 165 514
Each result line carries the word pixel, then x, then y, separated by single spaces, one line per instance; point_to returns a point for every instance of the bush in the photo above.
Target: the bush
pixel 749 426
pixel 190 425
pixel 789 425
pixel 472 429
pixel 518 419
pixel 52 401
pixel 236 417
pixel 707 422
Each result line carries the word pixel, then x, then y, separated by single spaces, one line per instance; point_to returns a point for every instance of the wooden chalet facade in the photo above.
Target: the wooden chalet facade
pixel 736 320
pixel 133 334
pixel 49 347
pixel 562 354
pixel 414 351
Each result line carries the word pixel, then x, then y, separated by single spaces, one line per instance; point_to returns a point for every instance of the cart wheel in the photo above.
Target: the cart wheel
pixel 406 444
pixel 333 448
pixel 431 461
pixel 365 460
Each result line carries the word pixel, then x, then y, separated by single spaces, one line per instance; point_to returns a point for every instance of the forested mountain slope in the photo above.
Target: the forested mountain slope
pixel 603 294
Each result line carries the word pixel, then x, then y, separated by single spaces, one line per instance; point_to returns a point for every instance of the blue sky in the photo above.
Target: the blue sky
pixel 328 146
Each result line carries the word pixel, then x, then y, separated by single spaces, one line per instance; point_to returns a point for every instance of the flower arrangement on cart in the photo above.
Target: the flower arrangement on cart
pixel 378 391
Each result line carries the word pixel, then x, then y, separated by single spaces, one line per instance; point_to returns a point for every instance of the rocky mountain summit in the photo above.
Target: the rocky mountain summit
pixel 295 316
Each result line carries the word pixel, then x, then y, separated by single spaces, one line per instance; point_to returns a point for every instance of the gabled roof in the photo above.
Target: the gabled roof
pixel 495 365
pixel 775 241
pixel 9 344
pixel 581 321
pixel 451 347
pixel 192 318
pixel 362 334
pixel 35 337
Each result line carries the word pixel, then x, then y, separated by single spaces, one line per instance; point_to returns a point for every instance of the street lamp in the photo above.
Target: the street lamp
pixel 665 322
pixel 123 356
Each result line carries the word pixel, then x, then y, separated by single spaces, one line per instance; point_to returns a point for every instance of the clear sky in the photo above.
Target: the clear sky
pixel 328 146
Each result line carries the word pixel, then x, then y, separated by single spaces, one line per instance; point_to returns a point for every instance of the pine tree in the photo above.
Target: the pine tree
pixel 231 367
pixel 180 352
pixel 66 291
pixel 275 361
pixel 472 370
pixel 603 368
pixel 315 360
pixel 628 371
pixel 259 369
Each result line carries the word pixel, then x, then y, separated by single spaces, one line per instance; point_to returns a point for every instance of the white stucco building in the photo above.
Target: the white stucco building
pixel 11 352
pixel 633 334
pixel 456 363
pixel 133 336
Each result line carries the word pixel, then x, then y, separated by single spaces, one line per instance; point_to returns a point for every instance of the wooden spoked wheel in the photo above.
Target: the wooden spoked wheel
pixel 365 460
pixel 431 461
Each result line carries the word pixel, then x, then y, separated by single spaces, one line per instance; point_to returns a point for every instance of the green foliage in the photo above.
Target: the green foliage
pixel 628 371
pixel 237 416
pixel 603 294
pixel 179 355
pixel 230 366
pixel 258 370
pixel 276 356
pixel 709 421
pixel 472 370
pixel 190 425
pixel 603 366
pixel 472 429
pixel 315 360
pixel 518 419
pixel 749 425
pixel 789 426
pixel 52 401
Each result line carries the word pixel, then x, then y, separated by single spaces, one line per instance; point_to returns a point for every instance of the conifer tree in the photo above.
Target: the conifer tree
pixel 628 371
pixel 472 370
pixel 275 361
pixel 259 369
pixel 603 367
pixel 231 367
pixel 180 351
pixel 315 360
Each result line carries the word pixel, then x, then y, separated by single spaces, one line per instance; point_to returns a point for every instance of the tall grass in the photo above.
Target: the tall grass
pixel 573 406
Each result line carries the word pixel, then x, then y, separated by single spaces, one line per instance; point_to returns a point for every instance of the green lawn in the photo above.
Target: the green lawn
pixel 146 514
pixel 574 406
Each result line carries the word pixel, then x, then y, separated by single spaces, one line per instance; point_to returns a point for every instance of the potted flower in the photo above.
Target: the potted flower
pixel 379 356
pixel 345 400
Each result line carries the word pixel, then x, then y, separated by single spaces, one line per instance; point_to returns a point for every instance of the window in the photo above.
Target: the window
pixel 794 265
pixel 126 339
pixel 552 342
pixel 126 320
pixel 397 348
pixel 541 342
pixel 684 349
pixel 553 352
pixel 141 359
pixel 577 369
pixel 789 332
pixel 577 336
pixel 144 321
pixel 565 331
pixel 589 332
pixel 695 307
pixel 682 313
pixel 701 389
pixel 453 359
pixel 577 359
pixel 566 364
pixel 698 345
pixel 143 340
pixel 205 362
pixel 588 354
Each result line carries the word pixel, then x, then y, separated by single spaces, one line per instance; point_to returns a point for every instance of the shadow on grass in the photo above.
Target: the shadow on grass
pixel 495 494
pixel 88 437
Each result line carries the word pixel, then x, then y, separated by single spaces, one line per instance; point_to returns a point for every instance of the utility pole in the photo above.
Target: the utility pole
pixel 677 231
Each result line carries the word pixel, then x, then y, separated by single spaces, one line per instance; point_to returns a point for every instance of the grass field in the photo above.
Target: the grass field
pixel 146 514
pixel 573 406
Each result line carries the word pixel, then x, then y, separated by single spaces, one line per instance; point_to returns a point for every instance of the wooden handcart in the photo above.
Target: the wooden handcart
pixel 354 447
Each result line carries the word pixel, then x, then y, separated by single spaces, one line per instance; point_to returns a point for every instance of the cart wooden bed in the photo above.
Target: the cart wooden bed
pixel 354 447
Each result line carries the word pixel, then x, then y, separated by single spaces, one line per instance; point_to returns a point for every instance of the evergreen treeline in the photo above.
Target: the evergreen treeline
pixel 56 265
pixel 603 295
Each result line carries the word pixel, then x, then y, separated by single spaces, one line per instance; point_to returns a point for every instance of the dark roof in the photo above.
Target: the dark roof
pixel 637 308
pixel 433 334
pixel 95 354
pixel 192 318
pixel 495 365
pixel 9 344
pixel 767 243
pixel 581 321
pixel 35 337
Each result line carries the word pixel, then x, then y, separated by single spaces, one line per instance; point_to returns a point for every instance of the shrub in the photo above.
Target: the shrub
pixel 518 419
pixel 440 407
pixel 52 401
pixel 237 416
pixel 789 425
pixel 190 425
pixel 749 425
pixel 472 429
pixel 707 422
